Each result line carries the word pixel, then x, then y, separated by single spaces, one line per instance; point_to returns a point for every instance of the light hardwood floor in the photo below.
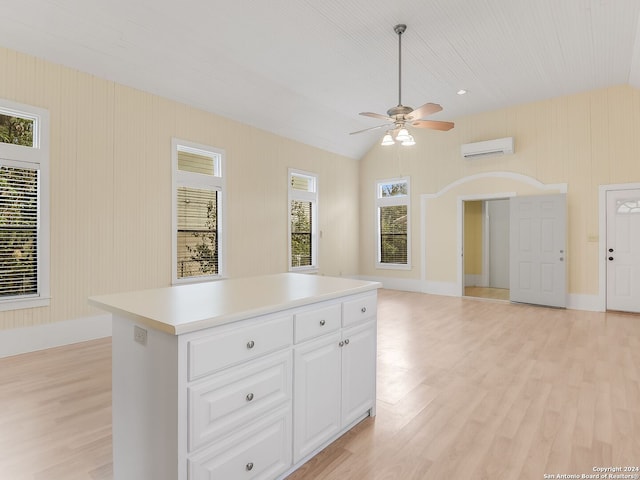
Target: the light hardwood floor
pixel 466 390
pixel 487 292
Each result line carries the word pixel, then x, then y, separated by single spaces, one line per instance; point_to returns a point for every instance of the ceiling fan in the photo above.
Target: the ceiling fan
pixel 401 116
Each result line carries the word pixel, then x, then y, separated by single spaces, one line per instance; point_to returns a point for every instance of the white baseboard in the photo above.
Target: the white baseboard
pixel 591 303
pixel 404 284
pixel 575 301
pixel 39 337
pixel 409 285
pixel 450 289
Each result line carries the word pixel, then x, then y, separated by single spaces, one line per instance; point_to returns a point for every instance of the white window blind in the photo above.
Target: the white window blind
pixel 18 231
pixel 197 232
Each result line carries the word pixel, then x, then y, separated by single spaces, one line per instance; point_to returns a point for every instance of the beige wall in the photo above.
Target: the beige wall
pixel 583 140
pixel 111 188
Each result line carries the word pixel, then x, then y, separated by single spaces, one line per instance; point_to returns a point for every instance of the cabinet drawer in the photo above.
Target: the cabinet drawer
pixel 233 345
pixel 316 322
pixel 259 453
pixel 234 398
pixel 358 309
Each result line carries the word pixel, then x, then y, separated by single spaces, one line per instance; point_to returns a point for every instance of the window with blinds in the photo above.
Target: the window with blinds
pixel 393 223
pixel 197 232
pixel 24 206
pixel 198 201
pixel 303 199
pixel 301 238
pixel 18 231
pixel 393 234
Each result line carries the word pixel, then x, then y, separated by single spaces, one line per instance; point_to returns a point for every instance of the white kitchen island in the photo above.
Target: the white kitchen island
pixel 244 378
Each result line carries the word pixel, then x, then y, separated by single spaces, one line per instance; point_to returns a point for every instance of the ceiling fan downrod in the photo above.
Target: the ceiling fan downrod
pixel 400 29
pixel 400 109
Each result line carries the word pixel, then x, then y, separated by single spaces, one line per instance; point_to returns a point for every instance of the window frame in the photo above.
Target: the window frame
pixel 181 178
pixel 312 197
pixel 390 202
pixel 37 158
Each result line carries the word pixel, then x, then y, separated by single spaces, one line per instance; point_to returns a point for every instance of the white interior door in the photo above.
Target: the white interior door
pixel 498 213
pixel 538 249
pixel 623 250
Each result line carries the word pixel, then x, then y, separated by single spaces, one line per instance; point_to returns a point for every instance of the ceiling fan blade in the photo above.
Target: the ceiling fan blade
pixel 433 124
pixel 424 110
pixel 370 128
pixel 377 115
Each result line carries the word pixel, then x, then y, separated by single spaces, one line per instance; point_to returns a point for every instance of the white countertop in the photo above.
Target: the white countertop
pixel 188 308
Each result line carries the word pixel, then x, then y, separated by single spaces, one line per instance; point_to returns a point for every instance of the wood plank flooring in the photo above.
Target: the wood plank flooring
pixel 55 414
pixel 487 292
pixel 466 389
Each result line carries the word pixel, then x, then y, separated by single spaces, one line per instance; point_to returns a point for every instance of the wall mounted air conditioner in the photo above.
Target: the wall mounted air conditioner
pixel 500 146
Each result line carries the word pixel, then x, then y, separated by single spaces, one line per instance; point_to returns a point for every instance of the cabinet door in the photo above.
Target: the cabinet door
pixel 358 372
pixel 316 416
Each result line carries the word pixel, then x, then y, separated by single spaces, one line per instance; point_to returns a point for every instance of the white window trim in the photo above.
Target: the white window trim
pixel 190 179
pixel 307 197
pixel 36 157
pixel 388 202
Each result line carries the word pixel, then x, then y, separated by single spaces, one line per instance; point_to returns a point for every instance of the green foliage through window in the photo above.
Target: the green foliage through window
pixel 16 130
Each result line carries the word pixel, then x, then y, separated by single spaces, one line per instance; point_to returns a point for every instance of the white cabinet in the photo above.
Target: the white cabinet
pixel 239 399
pixel 259 452
pixel 318 367
pixel 358 372
pixel 335 379
pixel 238 379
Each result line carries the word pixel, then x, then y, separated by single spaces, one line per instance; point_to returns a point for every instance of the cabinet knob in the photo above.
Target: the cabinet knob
pixel 610 258
pixel 346 342
pixel 341 344
pixel 249 397
pixel 363 309
pixel 249 466
pixel 322 322
pixel 250 344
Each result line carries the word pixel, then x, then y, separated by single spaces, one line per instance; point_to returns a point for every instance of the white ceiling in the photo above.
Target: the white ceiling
pixel 303 69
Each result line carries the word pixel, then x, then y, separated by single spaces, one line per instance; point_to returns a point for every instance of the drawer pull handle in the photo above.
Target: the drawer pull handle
pixel 249 466
pixel 346 342
pixel 250 344
pixel 363 309
pixel 249 397
pixel 322 322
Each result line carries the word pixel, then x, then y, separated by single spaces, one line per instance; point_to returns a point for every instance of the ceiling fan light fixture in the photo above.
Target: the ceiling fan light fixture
pixel 402 115
pixel 387 140
pixel 409 141
pixel 403 135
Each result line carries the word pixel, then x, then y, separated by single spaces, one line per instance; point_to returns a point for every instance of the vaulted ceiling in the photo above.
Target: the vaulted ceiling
pixel 304 69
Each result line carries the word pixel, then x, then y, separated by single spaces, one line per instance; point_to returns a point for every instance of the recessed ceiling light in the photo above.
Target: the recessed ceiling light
pixel 462 91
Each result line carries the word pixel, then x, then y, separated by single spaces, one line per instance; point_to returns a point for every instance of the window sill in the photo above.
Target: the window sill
pixel 303 269
pixel 22 303
pixel 392 266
